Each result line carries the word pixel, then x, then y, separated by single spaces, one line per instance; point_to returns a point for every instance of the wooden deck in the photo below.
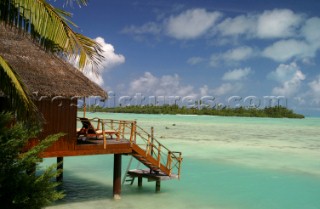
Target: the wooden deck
pixel 106 136
pixel 151 176
pixel 91 141
pixel 94 147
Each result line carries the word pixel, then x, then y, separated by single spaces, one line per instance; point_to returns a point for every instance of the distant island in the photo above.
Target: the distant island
pixel 271 112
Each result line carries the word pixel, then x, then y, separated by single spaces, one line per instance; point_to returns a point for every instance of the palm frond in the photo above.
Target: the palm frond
pixel 79 2
pixel 11 84
pixel 51 27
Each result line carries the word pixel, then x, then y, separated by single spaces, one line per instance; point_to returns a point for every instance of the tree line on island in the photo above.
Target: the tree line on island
pixel 272 112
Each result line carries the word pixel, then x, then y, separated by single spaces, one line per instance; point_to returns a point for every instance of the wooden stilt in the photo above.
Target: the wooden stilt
pixel 84 107
pixel 139 181
pixel 59 176
pixel 158 186
pixel 117 176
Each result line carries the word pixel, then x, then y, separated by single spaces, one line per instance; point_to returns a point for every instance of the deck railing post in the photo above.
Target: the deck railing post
pixel 159 155
pixel 119 127
pixel 122 128
pixel 148 148
pixel 98 125
pixel 179 168
pixel 152 138
pixel 104 137
pixel 135 131
pixel 169 160
pixel 132 134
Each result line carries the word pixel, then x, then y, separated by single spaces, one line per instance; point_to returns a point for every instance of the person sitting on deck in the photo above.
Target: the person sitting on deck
pixel 89 131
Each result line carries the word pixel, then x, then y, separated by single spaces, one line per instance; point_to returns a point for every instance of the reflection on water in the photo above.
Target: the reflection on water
pixel 229 162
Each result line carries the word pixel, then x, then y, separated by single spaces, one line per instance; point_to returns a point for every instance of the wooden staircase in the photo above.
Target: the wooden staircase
pixel 149 161
pixel 145 147
pixel 154 155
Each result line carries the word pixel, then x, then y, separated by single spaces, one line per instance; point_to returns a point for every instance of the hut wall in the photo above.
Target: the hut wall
pixel 60 117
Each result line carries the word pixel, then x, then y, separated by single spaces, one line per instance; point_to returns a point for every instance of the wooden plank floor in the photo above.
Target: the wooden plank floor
pixel 145 173
pixel 100 141
pixel 93 147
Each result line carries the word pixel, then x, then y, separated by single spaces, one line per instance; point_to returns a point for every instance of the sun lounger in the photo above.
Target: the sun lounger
pixel 89 131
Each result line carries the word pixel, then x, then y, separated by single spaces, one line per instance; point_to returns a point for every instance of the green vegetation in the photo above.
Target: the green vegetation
pixel 273 112
pixel 20 186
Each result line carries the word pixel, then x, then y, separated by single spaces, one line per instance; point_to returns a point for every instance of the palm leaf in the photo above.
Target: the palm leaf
pixel 52 28
pixel 79 2
pixel 11 84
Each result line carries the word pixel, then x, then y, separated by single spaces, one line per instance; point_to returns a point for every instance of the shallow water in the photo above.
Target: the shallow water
pixel 229 163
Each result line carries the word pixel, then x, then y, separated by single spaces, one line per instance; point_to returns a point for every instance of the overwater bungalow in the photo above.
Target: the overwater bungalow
pixel 55 87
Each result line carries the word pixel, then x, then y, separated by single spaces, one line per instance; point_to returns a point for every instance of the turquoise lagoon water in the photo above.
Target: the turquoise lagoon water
pixel 229 163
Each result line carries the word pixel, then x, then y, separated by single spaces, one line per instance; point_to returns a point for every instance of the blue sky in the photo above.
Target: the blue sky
pixel 208 48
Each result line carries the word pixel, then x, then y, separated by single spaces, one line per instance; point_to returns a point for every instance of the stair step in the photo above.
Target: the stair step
pixel 144 159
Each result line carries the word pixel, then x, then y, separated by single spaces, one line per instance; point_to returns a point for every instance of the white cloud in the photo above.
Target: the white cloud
pixel 204 91
pixel 315 89
pixel 110 60
pixel 191 24
pixel 304 49
pixel 167 85
pixel 278 23
pixel 147 28
pixel 237 26
pixel 237 74
pixel 223 89
pixel 315 86
pixel 290 78
pixel 314 92
pixel 95 77
pixel 284 72
pixel 238 54
pixel 311 30
pixel 287 49
pixel 170 85
pixel 144 84
pixel 291 87
pixel 308 61
pixel 195 60
pixel 232 55
pixel 227 88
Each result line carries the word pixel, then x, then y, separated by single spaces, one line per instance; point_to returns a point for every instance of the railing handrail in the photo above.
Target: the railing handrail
pixel 160 142
pixel 172 154
pixel 153 146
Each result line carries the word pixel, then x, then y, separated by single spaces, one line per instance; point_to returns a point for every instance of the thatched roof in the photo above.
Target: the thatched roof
pixel 43 72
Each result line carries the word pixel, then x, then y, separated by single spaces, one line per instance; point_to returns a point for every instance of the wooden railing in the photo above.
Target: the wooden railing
pixel 104 127
pixel 171 160
pixel 162 157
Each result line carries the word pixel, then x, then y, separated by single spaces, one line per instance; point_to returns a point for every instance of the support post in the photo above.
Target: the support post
pixel 139 181
pixel 84 107
pixel 158 186
pixel 59 176
pixel 117 177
